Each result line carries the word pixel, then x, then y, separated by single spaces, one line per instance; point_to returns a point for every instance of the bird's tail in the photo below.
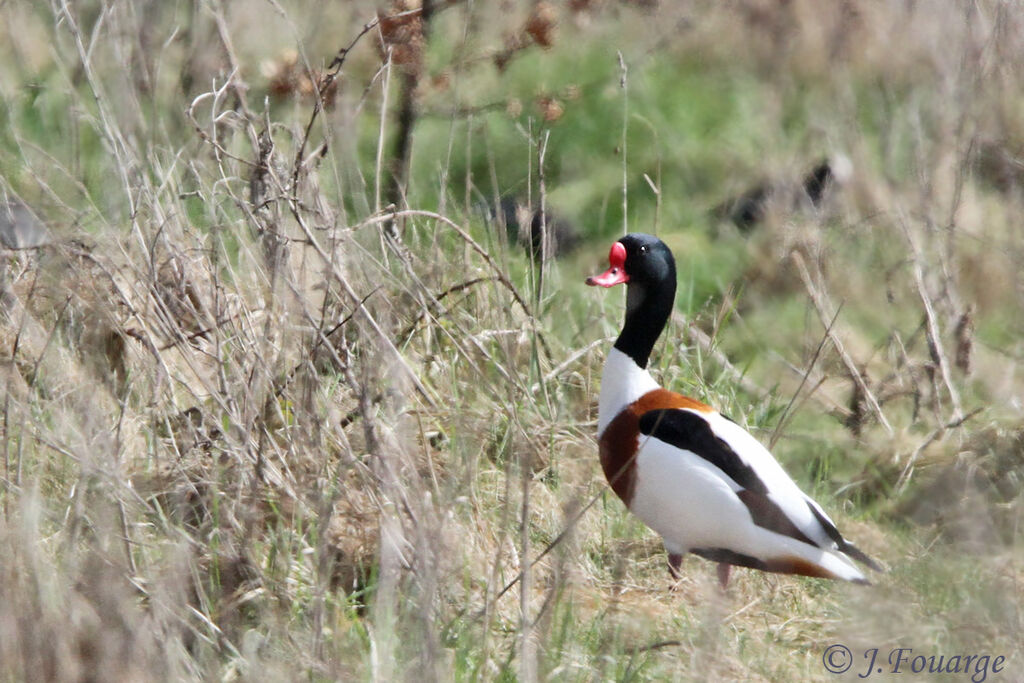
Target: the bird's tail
pixel 820 563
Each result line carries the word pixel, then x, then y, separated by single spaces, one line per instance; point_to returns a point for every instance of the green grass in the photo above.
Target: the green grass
pixel 219 466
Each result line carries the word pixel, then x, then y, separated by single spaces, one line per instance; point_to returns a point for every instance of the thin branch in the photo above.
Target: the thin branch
pixel 803 380
pixel 404 335
pixel 653 646
pixel 936 434
pixel 502 278
pixel 367 317
pixel 624 84
pixel 564 365
pixel 821 305
pixel 320 341
pixel 707 345
pixel 935 347
pixel 554 543
pixel 568 527
pixel 333 69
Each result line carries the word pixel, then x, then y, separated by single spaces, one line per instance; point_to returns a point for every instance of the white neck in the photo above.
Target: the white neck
pixel 622 382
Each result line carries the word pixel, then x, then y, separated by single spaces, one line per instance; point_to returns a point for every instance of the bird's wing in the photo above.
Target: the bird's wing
pixel 773 500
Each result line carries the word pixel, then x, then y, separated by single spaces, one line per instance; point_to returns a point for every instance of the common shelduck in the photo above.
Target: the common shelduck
pixel 690 473
pixel 525 226
pixel 749 209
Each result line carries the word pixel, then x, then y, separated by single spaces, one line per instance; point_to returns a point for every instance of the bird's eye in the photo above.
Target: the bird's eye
pixel 643 249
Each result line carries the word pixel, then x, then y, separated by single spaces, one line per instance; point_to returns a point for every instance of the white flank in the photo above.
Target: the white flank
pixel 781 488
pixel 622 382
pixel 693 504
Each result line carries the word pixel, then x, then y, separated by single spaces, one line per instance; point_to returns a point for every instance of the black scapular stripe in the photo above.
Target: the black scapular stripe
pixel 843 545
pixel 689 431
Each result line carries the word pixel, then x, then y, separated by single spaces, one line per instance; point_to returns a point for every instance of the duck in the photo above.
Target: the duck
pixel 527 225
pixel 694 476
pixel 749 209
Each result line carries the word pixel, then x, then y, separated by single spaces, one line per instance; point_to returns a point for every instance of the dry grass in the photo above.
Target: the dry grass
pixel 276 408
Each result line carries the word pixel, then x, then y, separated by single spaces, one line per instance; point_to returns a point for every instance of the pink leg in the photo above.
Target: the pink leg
pixel 723 574
pixel 674 563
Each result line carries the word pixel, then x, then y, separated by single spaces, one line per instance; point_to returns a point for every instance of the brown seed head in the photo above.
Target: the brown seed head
pixel 541 24
pixel 550 108
pixel 401 33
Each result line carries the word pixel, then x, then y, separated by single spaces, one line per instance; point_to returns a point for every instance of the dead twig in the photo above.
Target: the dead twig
pixel 404 335
pixel 821 306
pixel 385 340
pixel 803 380
pixel 936 434
pixel 834 408
pixel 653 646
pixel 704 341
pixel 935 348
pixel 499 273
pixel 322 339
pixel 564 365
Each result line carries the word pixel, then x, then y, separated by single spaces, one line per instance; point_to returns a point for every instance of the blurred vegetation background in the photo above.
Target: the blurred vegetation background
pixel 300 375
